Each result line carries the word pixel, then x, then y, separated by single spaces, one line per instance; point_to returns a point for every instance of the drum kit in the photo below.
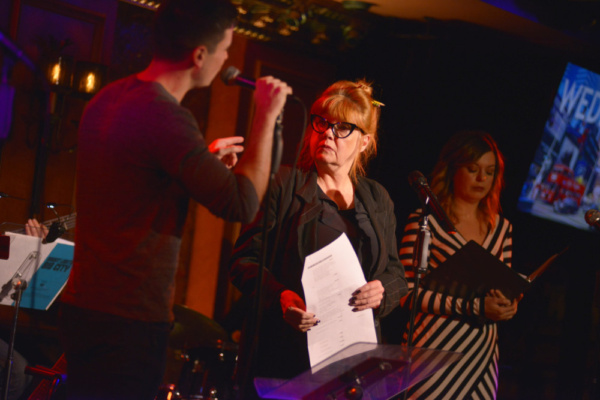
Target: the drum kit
pixel 201 359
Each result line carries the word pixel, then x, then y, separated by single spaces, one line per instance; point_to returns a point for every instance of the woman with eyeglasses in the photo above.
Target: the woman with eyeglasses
pixel 311 206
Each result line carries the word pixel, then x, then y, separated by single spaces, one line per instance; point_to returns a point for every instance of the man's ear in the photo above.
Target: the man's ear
pixel 199 55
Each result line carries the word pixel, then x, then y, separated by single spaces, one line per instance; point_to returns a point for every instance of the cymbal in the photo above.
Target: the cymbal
pixel 193 329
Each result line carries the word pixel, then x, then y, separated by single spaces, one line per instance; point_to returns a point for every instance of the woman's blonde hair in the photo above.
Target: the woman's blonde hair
pixel 349 102
pixel 464 148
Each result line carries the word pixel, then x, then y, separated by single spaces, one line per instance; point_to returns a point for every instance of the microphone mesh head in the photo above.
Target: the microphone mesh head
pixel 229 74
pixel 416 178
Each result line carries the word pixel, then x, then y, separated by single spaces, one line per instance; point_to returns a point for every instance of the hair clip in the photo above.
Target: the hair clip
pixel 377 103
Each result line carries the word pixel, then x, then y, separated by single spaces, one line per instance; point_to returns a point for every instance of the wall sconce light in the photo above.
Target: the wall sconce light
pixel 60 71
pixel 89 77
pixel 86 78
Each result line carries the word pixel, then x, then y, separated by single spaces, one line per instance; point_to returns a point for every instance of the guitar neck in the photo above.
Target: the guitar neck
pixel 68 222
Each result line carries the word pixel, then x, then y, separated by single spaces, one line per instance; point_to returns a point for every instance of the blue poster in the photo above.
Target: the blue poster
pixel 564 177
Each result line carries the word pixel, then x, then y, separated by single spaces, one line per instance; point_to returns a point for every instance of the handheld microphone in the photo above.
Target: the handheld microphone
pixel 231 76
pixel 592 217
pixel 419 183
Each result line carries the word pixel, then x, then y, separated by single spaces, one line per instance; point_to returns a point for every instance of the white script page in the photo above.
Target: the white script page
pixel 330 277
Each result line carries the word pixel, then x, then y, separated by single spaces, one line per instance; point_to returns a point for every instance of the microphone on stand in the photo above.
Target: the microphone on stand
pixel 419 183
pixel 592 217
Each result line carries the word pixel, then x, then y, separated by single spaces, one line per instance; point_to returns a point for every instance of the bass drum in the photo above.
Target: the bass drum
pixel 207 373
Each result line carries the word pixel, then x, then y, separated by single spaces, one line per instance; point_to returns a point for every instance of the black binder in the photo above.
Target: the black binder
pixel 472 272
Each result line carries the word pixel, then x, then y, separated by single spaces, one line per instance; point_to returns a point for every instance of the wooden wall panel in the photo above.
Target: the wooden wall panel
pixel 205 254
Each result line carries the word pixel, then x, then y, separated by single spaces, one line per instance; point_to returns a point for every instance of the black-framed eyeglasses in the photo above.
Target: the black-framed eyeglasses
pixel 340 129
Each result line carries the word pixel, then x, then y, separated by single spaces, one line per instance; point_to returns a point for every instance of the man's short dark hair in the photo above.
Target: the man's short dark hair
pixel 182 25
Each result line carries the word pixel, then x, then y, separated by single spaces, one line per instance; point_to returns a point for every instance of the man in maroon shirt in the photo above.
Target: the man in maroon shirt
pixel 141 157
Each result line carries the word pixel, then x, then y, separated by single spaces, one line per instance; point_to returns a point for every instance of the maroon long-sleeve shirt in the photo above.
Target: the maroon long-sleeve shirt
pixel 141 157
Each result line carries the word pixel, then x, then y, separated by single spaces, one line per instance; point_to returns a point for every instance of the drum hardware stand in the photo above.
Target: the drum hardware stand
pixel 56 378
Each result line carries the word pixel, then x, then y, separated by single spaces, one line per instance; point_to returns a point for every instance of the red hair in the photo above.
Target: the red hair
pixel 351 102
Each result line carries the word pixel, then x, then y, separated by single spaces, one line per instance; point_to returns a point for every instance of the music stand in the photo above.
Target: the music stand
pixel 17 284
pixel 360 371
pixel 43 268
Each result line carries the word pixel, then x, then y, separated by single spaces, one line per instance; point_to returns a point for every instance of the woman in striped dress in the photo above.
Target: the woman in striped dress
pixel 467 181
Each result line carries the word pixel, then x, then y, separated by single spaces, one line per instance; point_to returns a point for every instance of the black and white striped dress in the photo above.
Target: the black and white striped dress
pixel 446 323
